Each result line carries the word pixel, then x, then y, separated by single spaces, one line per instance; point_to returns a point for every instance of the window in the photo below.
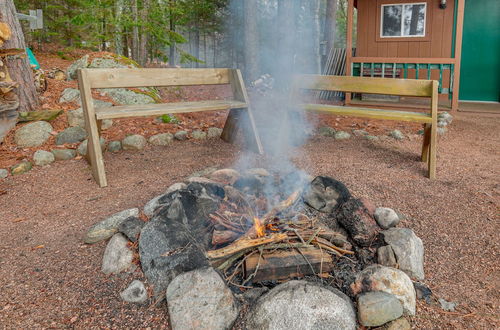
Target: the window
pixel 403 20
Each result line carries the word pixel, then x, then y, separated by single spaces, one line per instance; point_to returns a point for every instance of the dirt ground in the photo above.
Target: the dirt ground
pixel 50 278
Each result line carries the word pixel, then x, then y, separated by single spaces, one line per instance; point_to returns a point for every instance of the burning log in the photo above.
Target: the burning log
pixel 283 264
pixel 244 244
pixel 220 237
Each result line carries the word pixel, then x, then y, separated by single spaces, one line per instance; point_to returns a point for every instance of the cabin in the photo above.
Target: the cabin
pixel 456 42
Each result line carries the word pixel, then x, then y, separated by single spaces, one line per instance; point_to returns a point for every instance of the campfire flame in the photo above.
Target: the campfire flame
pixel 260 229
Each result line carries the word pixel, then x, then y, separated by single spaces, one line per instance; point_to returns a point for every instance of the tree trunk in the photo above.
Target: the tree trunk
pixel 135 31
pixel 171 56
pixel 118 27
pixel 19 68
pixel 315 36
pixel 196 44
pixel 143 51
pixel 329 30
pixel 251 40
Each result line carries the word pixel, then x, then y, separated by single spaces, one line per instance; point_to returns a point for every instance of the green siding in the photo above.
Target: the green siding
pixel 480 66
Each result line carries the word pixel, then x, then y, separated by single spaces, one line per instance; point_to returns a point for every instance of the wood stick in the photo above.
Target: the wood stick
pixel 220 237
pixel 244 244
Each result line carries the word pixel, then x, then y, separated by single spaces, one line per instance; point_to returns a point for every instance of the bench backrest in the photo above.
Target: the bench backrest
pixel 390 86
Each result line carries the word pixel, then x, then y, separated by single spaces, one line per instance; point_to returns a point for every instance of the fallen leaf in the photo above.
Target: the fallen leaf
pixel 38 247
pixel 18 220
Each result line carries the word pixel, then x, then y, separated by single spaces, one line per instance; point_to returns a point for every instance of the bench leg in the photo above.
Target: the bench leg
pixel 242 119
pixel 425 143
pixel 433 152
pixel 94 155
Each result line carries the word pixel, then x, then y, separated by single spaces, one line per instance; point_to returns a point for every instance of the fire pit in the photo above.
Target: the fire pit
pixel 239 234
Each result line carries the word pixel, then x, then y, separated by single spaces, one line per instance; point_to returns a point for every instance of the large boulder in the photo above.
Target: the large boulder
pixel 326 194
pixel 409 251
pixel 356 216
pixel 200 299
pixel 175 239
pixel 33 134
pixel 154 204
pixel 81 63
pixel 302 305
pixel 390 280
pixel 109 226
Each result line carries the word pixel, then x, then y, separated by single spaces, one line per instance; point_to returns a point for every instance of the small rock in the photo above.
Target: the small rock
pixel 82 148
pixel 386 217
pixel 423 292
pixel 390 280
pixel 214 132
pixel 377 308
pixel 42 158
pixel 399 324
pixel 106 124
pixel 114 146
pixel 33 134
pixel 326 131
pixel 64 154
pixel 3 173
pixel 109 226
pixel 71 135
pixel 442 130
pixel 181 135
pixel 117 256
pixel 371 137
pixel 341 135
pixel 131 227
pixel 20 168
pixel 386 257
pixel 75 118
pixel 302 305
pixel 447 305
pixel 225 176
pixel 134 142
pixel 445 117
pixel 359 132
pixel 198 135
pixel 163 139
pixel 396 134
pixel 135 293
pixel 409 251
pixel 200 299
pixel 70 95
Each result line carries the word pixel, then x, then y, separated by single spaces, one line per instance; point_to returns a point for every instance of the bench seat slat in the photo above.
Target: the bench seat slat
pixel 369 113
pixel 124 111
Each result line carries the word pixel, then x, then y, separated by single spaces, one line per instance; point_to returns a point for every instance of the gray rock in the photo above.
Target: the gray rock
pixel 445 117
pixel 70 95
pixel 326 131
pixel 253 294
pixel 214 132
pixel 377 308
pixel 76 118
pixel 225 176
pixel 64 154
pixel 154 204
pixel 181 135
pixel 423 292
pixel 131 228
pixel 359 132
pixel 114 146
pixel 371 137
pixel 21 168
pixel 33 134
pixel 108 227
pixel 257 171
pixel 117 256
pixel 81 63
pixel 163 139
pixel 124 96
pixel 302 305
pixel 134 142
pixel 447 305
pixel 106 63
pixel 106 124
pixel 396 134
pixel 386 217
pixel 390 280
pixel 386 257
pixel 198 135
pixel 399 324
pixel 42 158
pixel 71 135
pixel 200 299
pixel 442 130
pixel 175 186
pixel 3 173
pixel 326 194
pixel 341 135
pixel 135 293
pixel 82 148
pixel 409 251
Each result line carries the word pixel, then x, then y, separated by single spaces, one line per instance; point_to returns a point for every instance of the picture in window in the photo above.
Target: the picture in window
pixel 403 20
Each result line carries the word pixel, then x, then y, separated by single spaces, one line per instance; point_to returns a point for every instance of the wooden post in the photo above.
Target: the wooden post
pixel 458 54
pixel 433 138
pixel 350 14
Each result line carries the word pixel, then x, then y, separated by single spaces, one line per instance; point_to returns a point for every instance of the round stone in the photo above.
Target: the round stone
pixel 134 142
pixel 42 158
pixel 33 134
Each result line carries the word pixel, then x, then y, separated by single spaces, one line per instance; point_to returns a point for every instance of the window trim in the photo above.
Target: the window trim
pixel 431 6
pixel 381 30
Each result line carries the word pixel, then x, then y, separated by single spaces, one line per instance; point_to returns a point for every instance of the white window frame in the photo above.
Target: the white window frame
pixel 402 20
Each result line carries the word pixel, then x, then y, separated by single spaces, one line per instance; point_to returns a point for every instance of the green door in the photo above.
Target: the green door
pixel 480 66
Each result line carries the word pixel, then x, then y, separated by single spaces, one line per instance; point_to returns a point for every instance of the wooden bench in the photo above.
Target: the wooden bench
pixel 89 79
pixel 390 86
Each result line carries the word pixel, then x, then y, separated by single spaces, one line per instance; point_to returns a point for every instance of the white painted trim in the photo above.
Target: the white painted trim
pixel 402 20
